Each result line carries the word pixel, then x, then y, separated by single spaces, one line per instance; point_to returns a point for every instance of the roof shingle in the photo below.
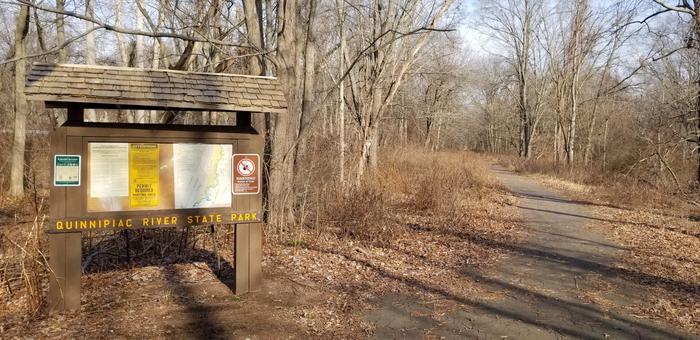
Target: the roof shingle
pixel 158 89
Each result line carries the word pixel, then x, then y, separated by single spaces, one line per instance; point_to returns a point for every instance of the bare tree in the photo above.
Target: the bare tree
pixel 90 114
pixel 384 63
pixel 692 9
pixel 580 44
pixel 61 31
pixel 20 131
pixel 514 24
pixel 341 12
pixel 121 45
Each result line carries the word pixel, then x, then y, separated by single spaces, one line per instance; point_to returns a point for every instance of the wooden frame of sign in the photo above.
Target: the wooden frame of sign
pixel 70 214
pixel 146 195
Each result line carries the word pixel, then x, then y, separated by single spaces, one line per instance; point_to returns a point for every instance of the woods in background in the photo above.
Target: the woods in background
pixel 343 66
pixel 608 86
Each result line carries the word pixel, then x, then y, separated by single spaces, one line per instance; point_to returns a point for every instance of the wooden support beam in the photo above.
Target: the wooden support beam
pixel 248 257
pixel 76 114
pixel 255 257
pixel 243 119
pixel 65 251
pixel 241 251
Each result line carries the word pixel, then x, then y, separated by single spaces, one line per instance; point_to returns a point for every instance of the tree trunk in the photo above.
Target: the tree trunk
pixel 366 152
pixel 572 124
pixel 254 28
pixel 17 171
pixel 436 146
pixel 61 32
pixel 598 97
pixel 523 70
pixel 697 132
pixel 341 93
pixel 62 53
pixel 90 114
pixel 556 142
pixel 605 145
pixel 142 116
pixel 289 46
pixel 696 19
pixel 123 54
pixel 369 155
pixel 155 61
pixel 256 64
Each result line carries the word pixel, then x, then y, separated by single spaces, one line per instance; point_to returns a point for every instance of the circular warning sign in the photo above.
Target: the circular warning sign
pixel 245 167
pixel 246 177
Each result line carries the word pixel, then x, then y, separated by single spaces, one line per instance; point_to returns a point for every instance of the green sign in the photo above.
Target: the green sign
pixel 66 170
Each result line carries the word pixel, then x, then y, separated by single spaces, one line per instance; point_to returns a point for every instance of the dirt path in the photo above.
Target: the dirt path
pixel 560 284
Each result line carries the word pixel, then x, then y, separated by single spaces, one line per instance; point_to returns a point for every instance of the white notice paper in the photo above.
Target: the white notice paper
pixel 202 174
pixel 109 169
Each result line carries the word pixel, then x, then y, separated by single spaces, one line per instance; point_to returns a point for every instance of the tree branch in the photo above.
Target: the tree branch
pixel 55 49
pixel 681 9
pixel 123 30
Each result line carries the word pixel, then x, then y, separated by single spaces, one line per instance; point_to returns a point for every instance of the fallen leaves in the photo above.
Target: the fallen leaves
pixel 660 251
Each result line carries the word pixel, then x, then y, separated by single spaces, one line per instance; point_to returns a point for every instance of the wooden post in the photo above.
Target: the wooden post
pixel 241 251
pixel 248 257
pixel 65 249
pixel 248 237
pixel 255 257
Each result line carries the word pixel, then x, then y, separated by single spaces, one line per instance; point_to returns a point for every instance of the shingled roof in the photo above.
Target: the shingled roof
pixel 119 87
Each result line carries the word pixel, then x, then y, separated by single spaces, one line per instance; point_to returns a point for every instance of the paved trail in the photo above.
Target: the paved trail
pixel 545 283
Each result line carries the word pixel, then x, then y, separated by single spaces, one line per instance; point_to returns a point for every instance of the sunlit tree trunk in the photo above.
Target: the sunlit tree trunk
pixel 141 116
pixel 256 63
pixel 90 114
pixel 20 131
pixel 61 32
pixel 341 92
pixel 123 54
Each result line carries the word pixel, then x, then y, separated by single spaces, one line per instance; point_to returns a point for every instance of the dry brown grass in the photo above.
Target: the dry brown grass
pixel 435 181
pixel 407 180
pixel 622 189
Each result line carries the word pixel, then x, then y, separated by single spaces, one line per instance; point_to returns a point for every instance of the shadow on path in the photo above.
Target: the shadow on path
pixel 542 283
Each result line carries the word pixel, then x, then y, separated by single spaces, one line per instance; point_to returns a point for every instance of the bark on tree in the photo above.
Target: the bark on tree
pixel 257 66
pixel 141 116
pixel 61 32
pixel 256 63
pixel 90 114
pixel 696 28
pixel 20 129
pixel 341 93
pixel 286 58
pixel 522 70
pixel 123 54
pixel 155 60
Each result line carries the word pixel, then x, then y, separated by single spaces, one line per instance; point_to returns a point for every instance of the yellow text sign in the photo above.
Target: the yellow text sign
pixel 144 175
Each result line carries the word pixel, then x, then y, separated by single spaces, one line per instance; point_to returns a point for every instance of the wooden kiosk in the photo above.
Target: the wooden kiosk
pixel 129 176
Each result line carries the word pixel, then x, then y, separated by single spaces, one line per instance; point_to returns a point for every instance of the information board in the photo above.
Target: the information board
pixel 158 176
